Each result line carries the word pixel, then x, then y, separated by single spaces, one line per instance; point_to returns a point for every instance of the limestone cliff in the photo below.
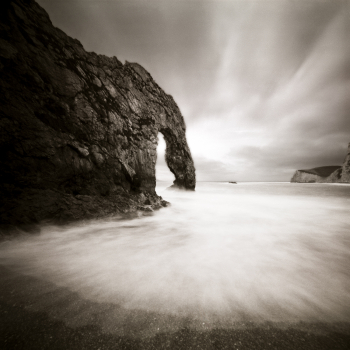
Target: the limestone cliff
pixel 320 174
pixel 78 131
pixel 326 174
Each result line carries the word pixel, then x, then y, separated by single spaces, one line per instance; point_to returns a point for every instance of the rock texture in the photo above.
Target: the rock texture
pixel 327 174
pixel 78 131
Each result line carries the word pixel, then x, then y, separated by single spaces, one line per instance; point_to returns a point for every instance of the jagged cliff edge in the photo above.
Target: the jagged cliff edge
pixel 326 174
pixel 78 131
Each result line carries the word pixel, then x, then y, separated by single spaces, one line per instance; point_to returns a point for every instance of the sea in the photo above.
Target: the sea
pixel 223 256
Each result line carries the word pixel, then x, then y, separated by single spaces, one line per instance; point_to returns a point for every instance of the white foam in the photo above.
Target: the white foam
pixel 263 252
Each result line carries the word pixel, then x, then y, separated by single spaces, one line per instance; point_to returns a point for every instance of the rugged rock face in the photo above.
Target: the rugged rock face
pixel 78 131
pixel 331 174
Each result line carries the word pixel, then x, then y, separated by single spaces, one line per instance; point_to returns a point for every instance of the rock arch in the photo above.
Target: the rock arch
pixel 78 130
pixel 179 159
pixel 168 120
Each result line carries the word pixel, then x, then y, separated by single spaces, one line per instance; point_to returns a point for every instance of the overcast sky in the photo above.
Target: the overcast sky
pixel 264 85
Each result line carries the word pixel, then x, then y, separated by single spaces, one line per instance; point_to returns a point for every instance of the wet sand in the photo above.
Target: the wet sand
pixel 22 326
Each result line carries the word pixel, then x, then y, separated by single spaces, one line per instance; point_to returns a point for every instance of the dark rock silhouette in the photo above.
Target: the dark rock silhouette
pixel 78 131
pixel 331 174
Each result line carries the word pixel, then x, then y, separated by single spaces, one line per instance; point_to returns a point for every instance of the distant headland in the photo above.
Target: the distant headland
pixel 325 174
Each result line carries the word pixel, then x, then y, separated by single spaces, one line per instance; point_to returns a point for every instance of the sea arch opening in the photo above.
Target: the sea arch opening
pixel 163 174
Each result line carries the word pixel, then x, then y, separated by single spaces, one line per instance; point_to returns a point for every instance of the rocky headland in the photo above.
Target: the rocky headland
pixel 325 174
pixel 78 130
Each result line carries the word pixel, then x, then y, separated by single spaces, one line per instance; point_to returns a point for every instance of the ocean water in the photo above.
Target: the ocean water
pixel 226 255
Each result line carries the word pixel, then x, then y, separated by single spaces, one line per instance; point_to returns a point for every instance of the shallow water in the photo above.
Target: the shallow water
pixel 224 255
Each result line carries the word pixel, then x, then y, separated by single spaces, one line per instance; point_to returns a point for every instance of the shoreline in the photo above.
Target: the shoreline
pixel 57 208
pixel 60 325
pixel 42 310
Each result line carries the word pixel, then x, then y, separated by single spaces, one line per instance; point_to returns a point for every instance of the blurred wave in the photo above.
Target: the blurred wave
pixel 223 254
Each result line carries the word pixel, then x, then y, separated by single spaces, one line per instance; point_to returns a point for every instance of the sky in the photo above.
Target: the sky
pixel 263 85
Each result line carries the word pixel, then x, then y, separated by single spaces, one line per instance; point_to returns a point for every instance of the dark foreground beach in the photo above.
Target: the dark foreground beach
pixel 23 328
